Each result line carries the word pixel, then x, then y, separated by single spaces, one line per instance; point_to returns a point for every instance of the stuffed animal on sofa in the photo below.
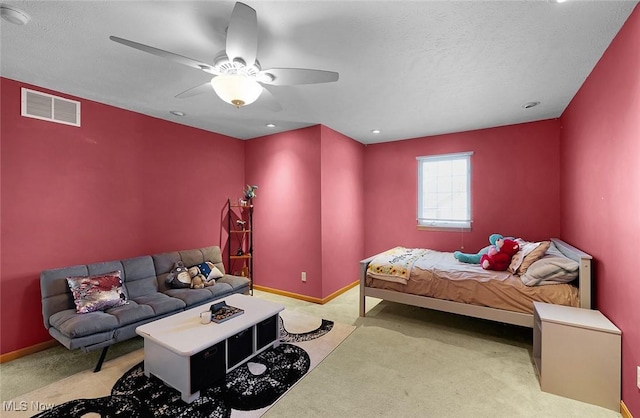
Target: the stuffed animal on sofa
pixel 199 280
pixel 179 277
pixel 475 258
pixel 499 258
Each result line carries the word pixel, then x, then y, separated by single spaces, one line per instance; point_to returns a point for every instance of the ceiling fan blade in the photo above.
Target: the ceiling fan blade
pixel 291 76
pixel 165 54
pixel 269 101
pixel 242 34
pixel 194 91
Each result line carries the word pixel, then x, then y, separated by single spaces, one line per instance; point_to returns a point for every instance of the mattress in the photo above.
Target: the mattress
pixel 439 275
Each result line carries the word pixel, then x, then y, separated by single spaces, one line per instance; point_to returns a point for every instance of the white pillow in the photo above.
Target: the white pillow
pixel 214 274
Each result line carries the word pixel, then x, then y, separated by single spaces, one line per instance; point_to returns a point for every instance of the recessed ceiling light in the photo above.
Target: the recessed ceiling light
pixel 375 131
pixel 529 105
pixel 13 15
pixel 177 113
pixel 271 125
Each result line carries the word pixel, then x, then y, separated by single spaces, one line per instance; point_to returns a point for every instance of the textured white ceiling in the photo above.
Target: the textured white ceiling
pixel 410 69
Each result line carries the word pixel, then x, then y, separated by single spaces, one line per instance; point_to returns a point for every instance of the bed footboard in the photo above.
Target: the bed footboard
pixel 363 276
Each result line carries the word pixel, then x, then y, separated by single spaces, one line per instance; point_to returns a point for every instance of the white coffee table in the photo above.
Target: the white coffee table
pixel 190 356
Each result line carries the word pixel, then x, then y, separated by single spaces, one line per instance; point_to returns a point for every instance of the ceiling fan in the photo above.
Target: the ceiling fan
pixel 238 78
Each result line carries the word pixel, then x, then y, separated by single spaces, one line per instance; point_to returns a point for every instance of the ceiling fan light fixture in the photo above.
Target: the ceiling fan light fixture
pixel 236 89
pixel 13 15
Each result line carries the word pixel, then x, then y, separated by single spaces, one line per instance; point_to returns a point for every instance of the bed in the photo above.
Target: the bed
pixel 436 280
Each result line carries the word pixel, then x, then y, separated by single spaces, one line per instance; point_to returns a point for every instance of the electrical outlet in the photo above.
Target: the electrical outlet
pixel 638 377
pixel 303 276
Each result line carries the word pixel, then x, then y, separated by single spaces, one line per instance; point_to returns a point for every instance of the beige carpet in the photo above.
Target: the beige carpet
pixel 404 361
pixel 87 384
pixel 400 361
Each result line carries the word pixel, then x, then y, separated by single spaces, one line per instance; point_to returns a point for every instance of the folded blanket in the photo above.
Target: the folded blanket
pixel 395 265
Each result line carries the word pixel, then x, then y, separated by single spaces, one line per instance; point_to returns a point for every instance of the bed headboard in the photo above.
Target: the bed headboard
pixel 585 281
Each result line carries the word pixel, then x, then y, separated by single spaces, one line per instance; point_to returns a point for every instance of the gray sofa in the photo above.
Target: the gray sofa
pixel 149 297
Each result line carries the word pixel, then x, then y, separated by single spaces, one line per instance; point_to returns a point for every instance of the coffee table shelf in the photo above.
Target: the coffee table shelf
pixel 190 356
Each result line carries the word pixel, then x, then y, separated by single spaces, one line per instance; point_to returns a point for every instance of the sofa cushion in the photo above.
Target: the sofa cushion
pixel 236 282
pixel 104 267
pixel 55 292
pixel 53 282
pixel 220 289
pixel 163 282
pixel 214 255
pixel 139 276
pixel 163 264
pixel 130 313
pixel 141 287
pixel 73 325
pixel 191 297
pixel 161 303
pixel 192 258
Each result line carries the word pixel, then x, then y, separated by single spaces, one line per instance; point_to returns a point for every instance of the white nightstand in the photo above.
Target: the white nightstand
pixel 577 354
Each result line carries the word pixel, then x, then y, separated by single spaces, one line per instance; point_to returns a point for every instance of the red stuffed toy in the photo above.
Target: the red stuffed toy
pixel 499 257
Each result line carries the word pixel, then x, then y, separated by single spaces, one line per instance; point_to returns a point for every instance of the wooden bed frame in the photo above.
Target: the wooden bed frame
pixel 476 311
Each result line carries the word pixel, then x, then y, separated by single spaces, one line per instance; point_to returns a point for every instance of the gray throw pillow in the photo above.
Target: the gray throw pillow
pixel 551 269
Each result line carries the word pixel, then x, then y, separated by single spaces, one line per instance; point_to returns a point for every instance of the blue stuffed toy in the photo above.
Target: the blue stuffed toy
pixel 475 258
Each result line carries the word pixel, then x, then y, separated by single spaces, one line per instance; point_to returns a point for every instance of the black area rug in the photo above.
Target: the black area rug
pixel 252 386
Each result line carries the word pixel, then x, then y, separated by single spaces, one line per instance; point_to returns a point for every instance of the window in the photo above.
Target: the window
pixel 444 190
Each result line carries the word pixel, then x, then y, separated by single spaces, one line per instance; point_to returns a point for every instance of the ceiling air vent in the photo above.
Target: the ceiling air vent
pixel 44 106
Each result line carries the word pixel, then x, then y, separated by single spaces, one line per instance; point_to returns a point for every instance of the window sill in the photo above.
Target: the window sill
pixel 444 228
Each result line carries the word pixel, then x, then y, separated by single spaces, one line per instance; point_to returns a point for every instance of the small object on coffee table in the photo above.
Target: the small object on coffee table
pixel 221 312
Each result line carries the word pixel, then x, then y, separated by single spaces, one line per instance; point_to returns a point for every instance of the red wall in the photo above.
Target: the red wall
pixel 308 215
pixel 516 192
pixel 601 188
pixel 287 210
pixel 125 184
pixel 121 185
pixel 342 210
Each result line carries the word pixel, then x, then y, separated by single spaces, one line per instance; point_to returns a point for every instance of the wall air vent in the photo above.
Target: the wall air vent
pixel 44 106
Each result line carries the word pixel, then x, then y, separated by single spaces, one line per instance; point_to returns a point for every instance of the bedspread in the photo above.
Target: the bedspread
pixel 395 265
pixel 439 275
